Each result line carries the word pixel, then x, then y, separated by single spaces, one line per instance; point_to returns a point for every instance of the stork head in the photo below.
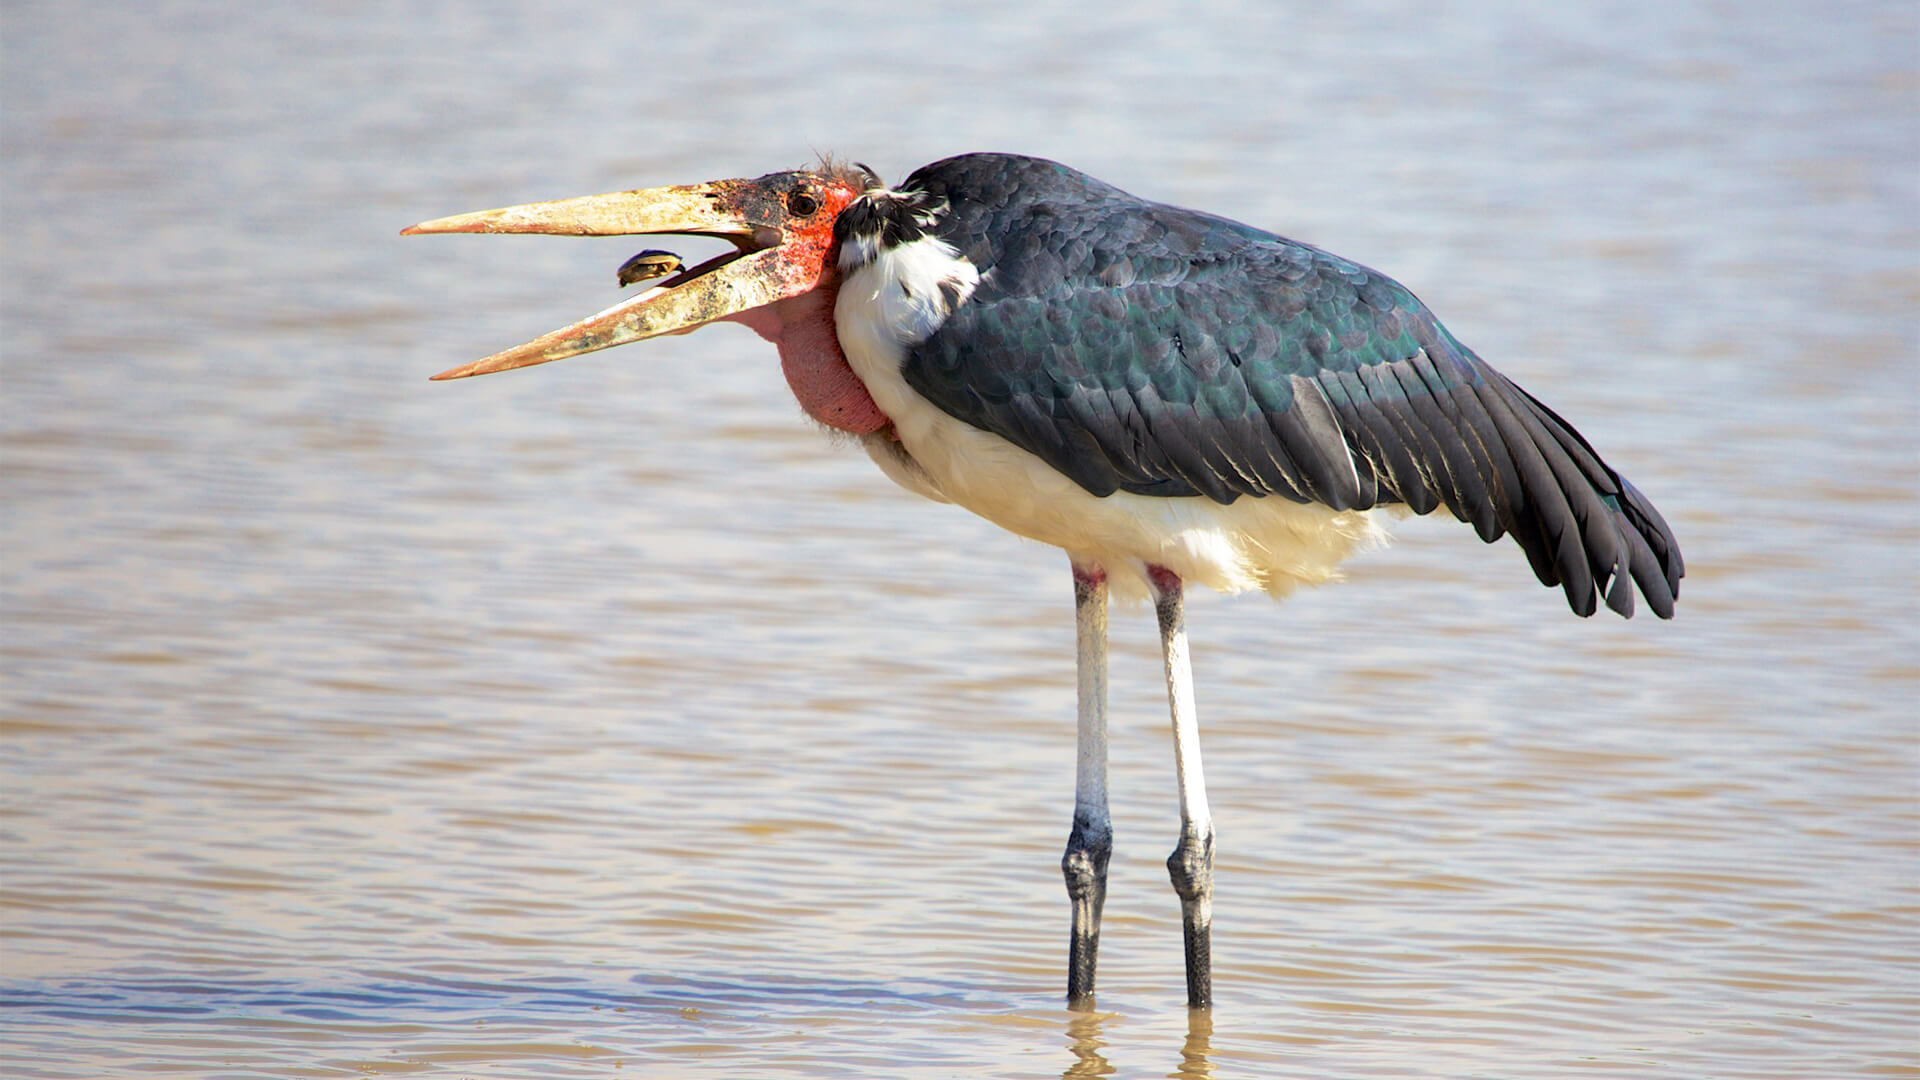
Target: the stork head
pixel 781 226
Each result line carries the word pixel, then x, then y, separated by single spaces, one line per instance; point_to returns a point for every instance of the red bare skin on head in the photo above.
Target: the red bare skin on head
pixel 801 326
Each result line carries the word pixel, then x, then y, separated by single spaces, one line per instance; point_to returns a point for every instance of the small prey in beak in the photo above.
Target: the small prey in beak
pixel 649 264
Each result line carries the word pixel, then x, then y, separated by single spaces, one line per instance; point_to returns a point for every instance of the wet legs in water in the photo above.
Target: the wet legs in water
pixel 1091 842
pixel 1191 864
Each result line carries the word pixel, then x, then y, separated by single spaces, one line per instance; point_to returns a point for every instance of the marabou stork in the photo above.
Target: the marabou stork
pixel 1167 395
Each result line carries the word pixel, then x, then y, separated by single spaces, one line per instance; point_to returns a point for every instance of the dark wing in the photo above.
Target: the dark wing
pixel 1144 348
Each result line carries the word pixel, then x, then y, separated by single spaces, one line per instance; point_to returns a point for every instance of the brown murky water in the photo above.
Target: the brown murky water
pixel 607 721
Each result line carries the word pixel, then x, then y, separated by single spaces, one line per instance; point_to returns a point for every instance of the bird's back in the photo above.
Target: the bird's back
pixel 1143 348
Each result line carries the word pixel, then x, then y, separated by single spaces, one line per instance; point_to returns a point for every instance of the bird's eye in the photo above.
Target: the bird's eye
pixel 801 204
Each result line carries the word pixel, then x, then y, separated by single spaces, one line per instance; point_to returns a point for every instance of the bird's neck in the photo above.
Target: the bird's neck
pixel 810 357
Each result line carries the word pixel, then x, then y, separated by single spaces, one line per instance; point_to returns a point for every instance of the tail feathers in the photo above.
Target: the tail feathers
pixel 1582 525
pixel 1657 565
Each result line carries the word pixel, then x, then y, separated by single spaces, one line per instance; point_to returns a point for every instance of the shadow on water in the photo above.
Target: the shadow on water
pixel 419 998
pixel 397 1004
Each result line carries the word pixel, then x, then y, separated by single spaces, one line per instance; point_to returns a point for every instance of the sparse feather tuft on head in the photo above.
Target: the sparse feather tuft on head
pixel 853 174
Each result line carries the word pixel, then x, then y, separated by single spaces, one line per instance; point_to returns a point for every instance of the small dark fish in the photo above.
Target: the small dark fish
pixel 649 264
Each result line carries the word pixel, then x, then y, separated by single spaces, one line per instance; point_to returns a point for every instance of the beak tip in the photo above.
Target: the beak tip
pixel 442 225
pixel 484 221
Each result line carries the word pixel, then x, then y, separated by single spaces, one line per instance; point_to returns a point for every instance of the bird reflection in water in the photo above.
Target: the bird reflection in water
pixel 1084 1039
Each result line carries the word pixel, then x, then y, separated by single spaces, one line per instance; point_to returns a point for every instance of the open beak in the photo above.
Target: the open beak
pixel 721 286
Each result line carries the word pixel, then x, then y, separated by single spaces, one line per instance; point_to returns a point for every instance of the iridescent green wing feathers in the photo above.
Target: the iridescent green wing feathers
pixel 1144 348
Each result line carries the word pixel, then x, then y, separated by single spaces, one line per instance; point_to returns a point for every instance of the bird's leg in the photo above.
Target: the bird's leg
pixel 1191 864
pixel 1091 842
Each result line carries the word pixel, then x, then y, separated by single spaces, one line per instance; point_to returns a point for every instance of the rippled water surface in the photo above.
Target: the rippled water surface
pixel 606 720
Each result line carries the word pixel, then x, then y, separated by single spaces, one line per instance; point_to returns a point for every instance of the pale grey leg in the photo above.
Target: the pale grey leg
pixel 1091 842
pixel 1191 864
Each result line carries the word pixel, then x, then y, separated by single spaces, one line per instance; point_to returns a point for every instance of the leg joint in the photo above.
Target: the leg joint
pixel 1191 866
pixel 1089 847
